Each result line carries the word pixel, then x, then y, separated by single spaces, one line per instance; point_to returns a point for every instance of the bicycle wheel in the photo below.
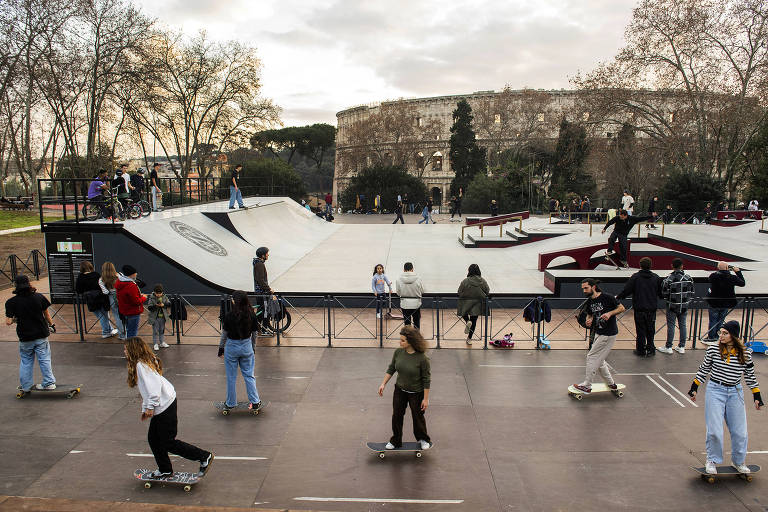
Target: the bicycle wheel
pixel 133 211
pixel 280 325
pixel 91 211
pixel 146 209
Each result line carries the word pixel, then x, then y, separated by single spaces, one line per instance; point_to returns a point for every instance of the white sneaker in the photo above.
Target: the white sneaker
pixel 426 446
pixel 469 341
pixel 466 328
pixel 665 350
pixel 680 350
pixel 114 332
pixel 164 345
pixel 389 446
pixel 742 468
pixel 49 387
pixel 378 315
pixel 710 468
pixel 156 347
pixel 105 336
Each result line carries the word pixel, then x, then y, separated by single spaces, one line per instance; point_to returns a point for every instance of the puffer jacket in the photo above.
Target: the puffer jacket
pixel 472 293
pixel 129 298
pixel 410 289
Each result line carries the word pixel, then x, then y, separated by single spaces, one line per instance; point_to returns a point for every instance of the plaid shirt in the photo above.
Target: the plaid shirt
pixel 677 289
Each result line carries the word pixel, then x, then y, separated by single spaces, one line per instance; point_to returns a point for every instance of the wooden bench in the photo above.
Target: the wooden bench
pixel 15 206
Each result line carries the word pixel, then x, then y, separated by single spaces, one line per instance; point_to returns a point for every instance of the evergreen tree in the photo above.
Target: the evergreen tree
pixel 756 159
pixel 467 158
pixel 568 174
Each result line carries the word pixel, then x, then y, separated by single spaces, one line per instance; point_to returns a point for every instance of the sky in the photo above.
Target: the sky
pixel 323 56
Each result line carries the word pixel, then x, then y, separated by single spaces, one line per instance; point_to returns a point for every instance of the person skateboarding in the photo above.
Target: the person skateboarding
pixel 725 362
pixel 159 406
pixel 598 315
pixel 411 388
pixel 624 223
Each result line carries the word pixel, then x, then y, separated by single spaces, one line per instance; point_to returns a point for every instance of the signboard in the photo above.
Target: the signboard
pixel 65 253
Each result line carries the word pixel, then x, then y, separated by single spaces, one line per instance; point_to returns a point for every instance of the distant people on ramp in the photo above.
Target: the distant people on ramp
pixel 235 194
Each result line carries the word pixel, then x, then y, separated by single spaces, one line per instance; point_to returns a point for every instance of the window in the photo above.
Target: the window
pixel 419 122
pixel 540 117
pixel 497 118
pixel 585 116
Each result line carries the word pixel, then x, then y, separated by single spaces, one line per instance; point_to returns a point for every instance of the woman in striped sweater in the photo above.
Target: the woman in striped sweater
pixel 725 363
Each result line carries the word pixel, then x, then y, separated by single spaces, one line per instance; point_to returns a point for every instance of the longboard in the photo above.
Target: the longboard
pixel 726 471
pixel 381 448
pixel 178 478
pixel 599 387
pixel 70 390
pixel 241 406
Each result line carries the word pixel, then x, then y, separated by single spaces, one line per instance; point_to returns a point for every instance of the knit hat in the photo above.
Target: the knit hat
pixel 21 282
pixel 129 270
pixel 732 326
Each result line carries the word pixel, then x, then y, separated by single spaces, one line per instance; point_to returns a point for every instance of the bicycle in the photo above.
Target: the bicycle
pixel 112 207
pixel 144 207
pixel 279 323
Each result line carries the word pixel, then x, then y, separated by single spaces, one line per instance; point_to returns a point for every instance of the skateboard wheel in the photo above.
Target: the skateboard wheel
pixel 748 478
pixel 711 479
pixel 187 488
pixel 620 394
pixel 418 454
pixel 147 485
pixel 19 395
pixel 578 397
pixel 254 412
pixel 225 412
pixel 70 394
pixel 381 455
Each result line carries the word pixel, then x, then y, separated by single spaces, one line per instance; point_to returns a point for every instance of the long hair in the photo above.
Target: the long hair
pixel 109 275
pixel 377 266
pixel 738 344
pixel 139 352
pixel 243 311
pixel 414 337
pixel 474 270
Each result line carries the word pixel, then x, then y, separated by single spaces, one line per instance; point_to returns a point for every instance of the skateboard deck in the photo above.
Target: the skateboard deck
pixel 609 258
pixel 241 406
pixel 726 471
pixel 381 448
pixel 70 390
pixel 597 388
pixel 178 478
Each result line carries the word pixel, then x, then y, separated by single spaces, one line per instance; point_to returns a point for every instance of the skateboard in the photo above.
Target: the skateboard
pixel 69 390
pixel 178 478
pixel 725 471
pixel 609 258
pixel 597 388
pixel 241 406
pixel 381 449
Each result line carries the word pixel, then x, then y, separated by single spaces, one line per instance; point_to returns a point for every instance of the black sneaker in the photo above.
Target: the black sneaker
pixel 205 465
pixel 613 387
pixel 254 407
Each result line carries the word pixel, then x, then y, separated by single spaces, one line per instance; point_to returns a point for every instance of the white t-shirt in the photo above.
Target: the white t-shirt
pixel 626 201
pixel 156 392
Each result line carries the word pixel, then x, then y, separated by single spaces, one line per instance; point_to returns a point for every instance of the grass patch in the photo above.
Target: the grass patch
pixel 10 219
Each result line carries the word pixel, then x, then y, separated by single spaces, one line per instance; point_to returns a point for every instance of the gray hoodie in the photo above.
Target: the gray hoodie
pixel 410 290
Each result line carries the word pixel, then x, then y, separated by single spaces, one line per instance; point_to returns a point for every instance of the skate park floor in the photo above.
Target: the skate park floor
pixel 507 436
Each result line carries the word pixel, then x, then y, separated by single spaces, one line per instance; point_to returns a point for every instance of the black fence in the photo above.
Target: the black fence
pixel 34 264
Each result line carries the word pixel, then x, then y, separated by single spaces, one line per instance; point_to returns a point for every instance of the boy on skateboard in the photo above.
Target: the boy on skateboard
pixel 599 315
pixel 623 225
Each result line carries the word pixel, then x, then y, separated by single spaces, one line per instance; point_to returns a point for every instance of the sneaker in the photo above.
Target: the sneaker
pixel 49 387
pixel 680 350
pixel 389 446
pixel 205 464
pixel 466 328
pixel 164 345
pixel 666 350
pixel 469 341
pixel 609 252
pixel 582 388
pixel 156 347
pixel 742 468
pixel 114 332
pixel 159 475
pixel 710 468
pixel 378 315
pixel 253 406
pixel 425 445
pixel 613 387
pixel 105 336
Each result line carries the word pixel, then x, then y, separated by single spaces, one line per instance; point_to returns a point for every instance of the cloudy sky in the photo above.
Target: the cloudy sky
pixel 322 56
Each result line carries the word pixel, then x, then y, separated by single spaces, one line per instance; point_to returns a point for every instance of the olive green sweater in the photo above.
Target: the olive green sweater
pixel 413 372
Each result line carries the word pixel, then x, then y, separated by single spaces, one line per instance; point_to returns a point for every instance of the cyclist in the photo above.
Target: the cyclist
pixel 96 190
pixel 137 182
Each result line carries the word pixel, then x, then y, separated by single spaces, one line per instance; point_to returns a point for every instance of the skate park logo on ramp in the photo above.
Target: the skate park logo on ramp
pixel 198 238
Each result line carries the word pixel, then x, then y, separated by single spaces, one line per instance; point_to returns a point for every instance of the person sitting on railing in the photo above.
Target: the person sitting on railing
pixel 96 190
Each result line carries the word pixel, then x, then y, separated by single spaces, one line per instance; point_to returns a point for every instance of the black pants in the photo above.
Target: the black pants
pixel 456 210
pixel 645 327
pixel 472 320
pixel 399 217
pixel 162 440
pixel 414 314
pixel 622 244
pixel 400 402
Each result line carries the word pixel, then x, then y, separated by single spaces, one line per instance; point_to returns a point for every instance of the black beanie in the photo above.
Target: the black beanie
pixel 732 326
pixel 129 270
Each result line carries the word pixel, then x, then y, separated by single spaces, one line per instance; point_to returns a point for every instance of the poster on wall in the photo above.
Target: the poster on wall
pixel 65 253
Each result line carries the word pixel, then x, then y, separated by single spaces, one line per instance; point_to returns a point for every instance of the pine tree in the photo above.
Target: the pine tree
pixel 467 158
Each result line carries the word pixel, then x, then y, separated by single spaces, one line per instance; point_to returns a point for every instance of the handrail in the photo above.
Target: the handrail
pixel 500 222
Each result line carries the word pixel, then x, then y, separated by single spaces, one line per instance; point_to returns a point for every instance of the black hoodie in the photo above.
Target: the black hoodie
pixel 645 288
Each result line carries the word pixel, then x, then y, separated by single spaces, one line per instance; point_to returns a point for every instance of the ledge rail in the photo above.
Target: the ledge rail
pixel 501 223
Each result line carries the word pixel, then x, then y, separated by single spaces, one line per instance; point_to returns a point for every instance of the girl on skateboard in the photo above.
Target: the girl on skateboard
pixel 159 405
pixel 725 363
pixel 411 388
pixel 239 330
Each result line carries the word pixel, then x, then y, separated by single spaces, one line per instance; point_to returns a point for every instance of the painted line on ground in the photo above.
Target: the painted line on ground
pixel 679 392
pixel 218 457
pixel 679 373
pixel 530 366
pixel 112 357
pixel 76 451
pixel 191 375
pixel 639 374
pixel 665 391
pixel 759 452
pixel 381 500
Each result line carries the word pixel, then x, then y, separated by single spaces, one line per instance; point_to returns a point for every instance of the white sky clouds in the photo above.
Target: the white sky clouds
pixel 322 56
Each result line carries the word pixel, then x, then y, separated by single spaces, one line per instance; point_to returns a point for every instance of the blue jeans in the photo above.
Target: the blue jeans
pixel 425 216
pixel 680 318
pixel 116 314
pixel 240 353
pixel 235 194
pixel 716 319
pixel 28 350
pixel 103 316
pixel 725 402
pixel 132 325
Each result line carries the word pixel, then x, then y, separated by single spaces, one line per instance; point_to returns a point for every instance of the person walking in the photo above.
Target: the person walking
pixel 154 182
pixel 645 288
pixel 262 289
pixel 238 336
pixel 234 189
pixel 652 213
pixel 29 311
pixel 599 316
pixel 328 205
pixel 429 207
pixel 494 208
pixel 725 363
pixel 87 285
pixel 130 300
pixel 412 386
pixel 472 293
pixel 158 404
pixel 378 283
pixel 677 290
pixel 107 284
pixel 399 212
pixel 628 203
pixel 624 222
pixel 721 296
pixel 157 304
pixel 408 203
pixel 410 289
pixel 457 203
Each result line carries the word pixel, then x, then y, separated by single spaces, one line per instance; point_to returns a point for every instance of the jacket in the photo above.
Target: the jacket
pixel 472 293
pixel 88 286
pixel 154 309
pixel 544 313
pixel 623 227
pixel 645 288
pixel 677 289
pixel 410 289
pixel 721 293
pixel 129 298
pixel 260 281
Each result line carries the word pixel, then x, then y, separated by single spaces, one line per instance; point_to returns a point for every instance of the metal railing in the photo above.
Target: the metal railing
pixel 500 222
pixel 34 265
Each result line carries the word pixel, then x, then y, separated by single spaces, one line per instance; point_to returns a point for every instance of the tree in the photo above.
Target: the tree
pixel 312 142
pixel 270 176
pixel 386 181
pixel 506 188
pixel 689 192
pixel 756 160
pixel 467 158
pixel 568 174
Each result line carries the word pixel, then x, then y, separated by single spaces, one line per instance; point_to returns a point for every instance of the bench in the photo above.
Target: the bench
pixel 15 206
